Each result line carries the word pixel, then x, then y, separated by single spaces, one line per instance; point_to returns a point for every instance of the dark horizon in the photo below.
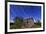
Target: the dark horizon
pixel 25 11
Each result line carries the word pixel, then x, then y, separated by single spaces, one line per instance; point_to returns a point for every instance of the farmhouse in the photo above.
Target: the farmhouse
pixel 29 22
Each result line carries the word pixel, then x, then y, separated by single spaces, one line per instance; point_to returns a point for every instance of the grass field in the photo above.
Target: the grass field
pixel 36 25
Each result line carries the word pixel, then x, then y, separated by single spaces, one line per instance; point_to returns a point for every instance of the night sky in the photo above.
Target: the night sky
pixel 25 11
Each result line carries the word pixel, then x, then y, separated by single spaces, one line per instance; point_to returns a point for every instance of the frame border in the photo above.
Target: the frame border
pixel 25 2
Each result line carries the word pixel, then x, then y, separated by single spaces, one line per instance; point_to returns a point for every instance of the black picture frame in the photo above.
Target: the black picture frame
pixel 25 2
